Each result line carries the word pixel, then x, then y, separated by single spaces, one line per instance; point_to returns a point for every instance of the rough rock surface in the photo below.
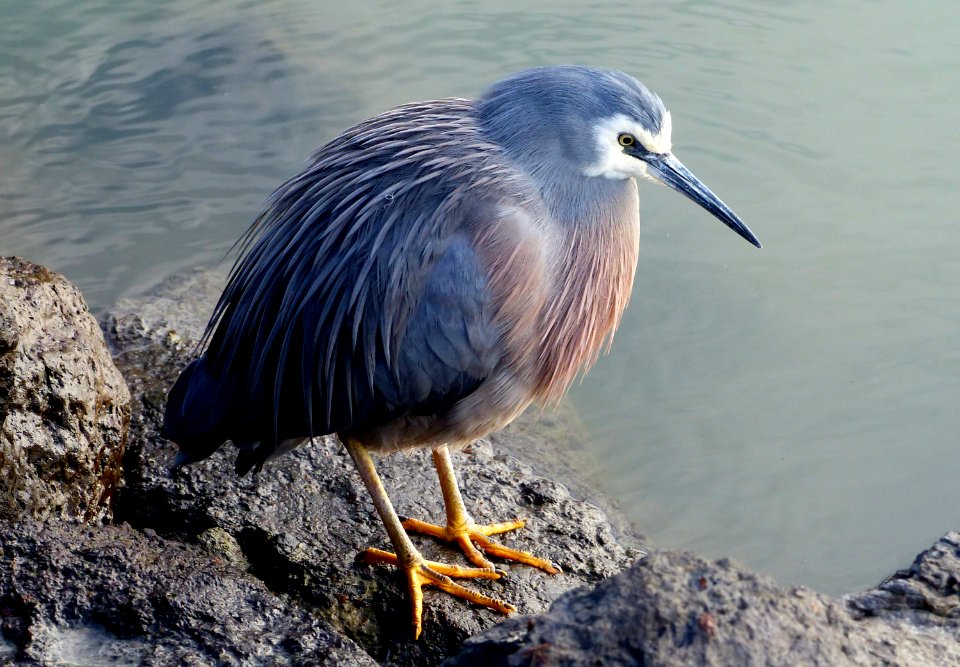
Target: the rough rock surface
pixel 64 407
pixel 212 569
pixel 673 608
pixel 301 522
pixel 111 595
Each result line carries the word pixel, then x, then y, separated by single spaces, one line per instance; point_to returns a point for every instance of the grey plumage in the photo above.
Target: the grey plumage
pixel 434 270
pixel 321 302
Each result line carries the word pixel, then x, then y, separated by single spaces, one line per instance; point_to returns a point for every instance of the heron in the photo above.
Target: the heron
pixel 432 272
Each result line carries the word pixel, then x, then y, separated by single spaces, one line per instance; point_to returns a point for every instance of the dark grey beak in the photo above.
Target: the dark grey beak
pixel 670 171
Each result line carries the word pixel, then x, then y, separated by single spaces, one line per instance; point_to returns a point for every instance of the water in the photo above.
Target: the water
pixel 794 407
pixel 87 646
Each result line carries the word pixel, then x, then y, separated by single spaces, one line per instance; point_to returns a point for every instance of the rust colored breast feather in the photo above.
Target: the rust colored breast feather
pixel 560 289
pixel 592 275
pixel 512 248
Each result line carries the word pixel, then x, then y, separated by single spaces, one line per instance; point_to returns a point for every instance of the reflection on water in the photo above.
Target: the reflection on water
pixel 143 139
pixel 792 407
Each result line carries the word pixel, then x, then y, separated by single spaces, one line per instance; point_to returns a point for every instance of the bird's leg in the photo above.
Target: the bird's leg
pixel 418 571
pixel 462 530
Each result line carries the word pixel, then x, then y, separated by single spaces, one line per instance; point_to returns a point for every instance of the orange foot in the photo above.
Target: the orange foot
pixel 421 572
pixel 469 536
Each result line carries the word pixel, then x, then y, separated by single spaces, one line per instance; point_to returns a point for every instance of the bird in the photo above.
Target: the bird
pixel 432 272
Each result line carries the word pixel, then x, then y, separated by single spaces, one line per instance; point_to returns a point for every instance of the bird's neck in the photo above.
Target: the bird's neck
pixel 576 201
pixel 592 265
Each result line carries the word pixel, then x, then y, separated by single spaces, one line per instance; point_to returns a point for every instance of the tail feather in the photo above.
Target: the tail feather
pixel 196 414
pixel 253 455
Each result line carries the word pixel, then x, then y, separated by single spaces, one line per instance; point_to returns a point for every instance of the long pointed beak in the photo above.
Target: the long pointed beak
pixel 670 171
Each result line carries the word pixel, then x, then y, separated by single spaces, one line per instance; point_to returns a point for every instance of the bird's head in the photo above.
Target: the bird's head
pixel 590 123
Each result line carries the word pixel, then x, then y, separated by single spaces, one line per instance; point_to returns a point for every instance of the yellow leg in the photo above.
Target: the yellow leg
pixel 462 530
pixel 419 571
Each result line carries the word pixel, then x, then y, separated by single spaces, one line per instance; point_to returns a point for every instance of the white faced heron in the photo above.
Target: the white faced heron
pixel 432 272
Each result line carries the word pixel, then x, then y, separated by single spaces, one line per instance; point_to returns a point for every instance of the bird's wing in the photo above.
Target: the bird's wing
pixel 447 346
pixel 359 296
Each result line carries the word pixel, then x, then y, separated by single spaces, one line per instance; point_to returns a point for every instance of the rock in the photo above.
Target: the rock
pixel 64 407
pixel 674 608
pixel 112 595
pixel 301 522
pixel 928 592
pixel 216 569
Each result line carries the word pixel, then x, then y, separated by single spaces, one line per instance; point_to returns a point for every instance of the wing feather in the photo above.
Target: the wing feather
pixel 357 297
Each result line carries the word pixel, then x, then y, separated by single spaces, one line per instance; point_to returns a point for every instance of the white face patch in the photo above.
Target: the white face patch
pixel 613 162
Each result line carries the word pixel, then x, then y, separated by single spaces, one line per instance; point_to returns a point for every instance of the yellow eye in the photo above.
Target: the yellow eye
pixel 626 140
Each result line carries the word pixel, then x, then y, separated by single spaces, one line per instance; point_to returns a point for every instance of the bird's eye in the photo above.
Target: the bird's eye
pixel 626 139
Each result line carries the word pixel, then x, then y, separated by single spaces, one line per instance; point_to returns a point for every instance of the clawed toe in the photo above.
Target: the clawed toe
pixel 474 540
pixel 422 572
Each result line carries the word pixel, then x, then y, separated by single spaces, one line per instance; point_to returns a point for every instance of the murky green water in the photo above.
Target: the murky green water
pixel 795 407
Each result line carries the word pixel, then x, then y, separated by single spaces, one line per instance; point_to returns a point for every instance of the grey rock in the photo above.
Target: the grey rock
pixel 112 595
pixel 64 407
pixel 220 544
pixel 926 593
pixel 301 522
pixel 213 569
pixel 674 608
pixel 176 313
